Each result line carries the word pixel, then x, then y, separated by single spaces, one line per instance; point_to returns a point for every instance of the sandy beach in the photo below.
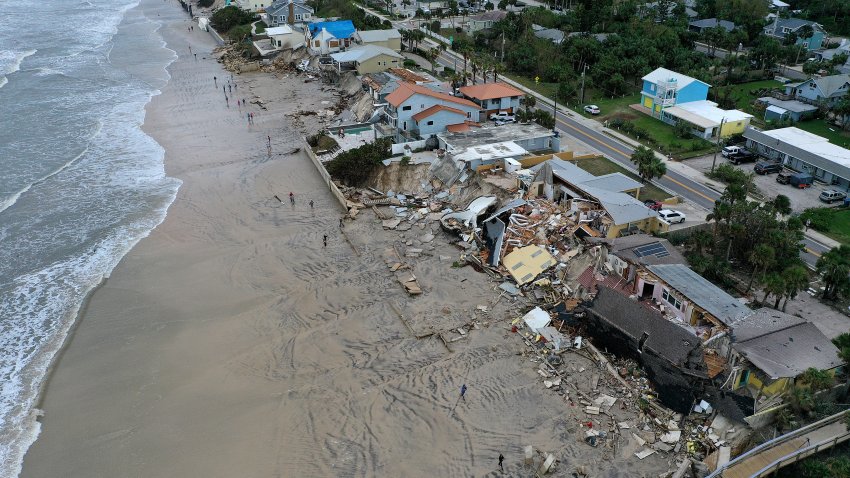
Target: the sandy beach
pixel 231 343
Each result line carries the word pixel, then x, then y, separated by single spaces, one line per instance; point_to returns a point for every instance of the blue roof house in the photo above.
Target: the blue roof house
pixel 329 37
pixel 663 88
pixel 781 28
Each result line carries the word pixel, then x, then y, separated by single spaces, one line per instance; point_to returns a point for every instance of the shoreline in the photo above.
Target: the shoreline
pixel 231 342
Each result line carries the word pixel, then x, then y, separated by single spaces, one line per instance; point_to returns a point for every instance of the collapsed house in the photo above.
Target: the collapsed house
pixel 673 358
pixel 770 349
pixel 607 204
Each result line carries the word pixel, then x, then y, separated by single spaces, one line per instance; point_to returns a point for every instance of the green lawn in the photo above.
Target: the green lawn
pixel 600 165
pixel 545 89
pixel 745 93
pixel 839 226
pixel 610 106
pixel 820 127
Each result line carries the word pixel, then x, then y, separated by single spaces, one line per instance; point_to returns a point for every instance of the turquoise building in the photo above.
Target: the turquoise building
pixel 663 88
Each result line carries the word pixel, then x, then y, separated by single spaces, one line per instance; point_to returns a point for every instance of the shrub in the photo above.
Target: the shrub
pixel 682 130
pixel 228 17
pixel 405 160
pixel 408 63
pixel 354 166
pixel 820 218
pixel 205 3
pixel 239 32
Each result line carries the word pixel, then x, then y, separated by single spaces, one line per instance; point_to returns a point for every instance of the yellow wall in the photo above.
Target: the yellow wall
pixel 647 101
pixel 769 388
pixel 378 64
pixel 647 225
pixel 734 127
pixel 392 43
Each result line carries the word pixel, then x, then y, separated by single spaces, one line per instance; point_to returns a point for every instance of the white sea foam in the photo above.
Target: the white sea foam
pixel 107 197
pixel 46 304
pixel 10 62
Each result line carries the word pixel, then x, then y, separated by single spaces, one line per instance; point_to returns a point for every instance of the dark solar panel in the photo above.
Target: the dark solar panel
pixel 655 249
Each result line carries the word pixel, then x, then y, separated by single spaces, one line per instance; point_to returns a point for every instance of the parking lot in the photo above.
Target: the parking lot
pixel 801 199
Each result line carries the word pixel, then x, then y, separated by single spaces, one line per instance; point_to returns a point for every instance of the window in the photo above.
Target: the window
pixel 333 43
pixel 670 299
pixel 786 30
pixel 298 16
pixel 405 108
pixel 421 107
pixel 430 123
pixel 468 114
pixel 744 379
pixel 317 44
pixel 514 97
pixel 405 126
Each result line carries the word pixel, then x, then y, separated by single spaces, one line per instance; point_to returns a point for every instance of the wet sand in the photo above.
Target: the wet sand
pixel 231 343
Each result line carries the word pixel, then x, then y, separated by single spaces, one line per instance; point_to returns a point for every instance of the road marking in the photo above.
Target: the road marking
pixel 690 189
pixel 811 252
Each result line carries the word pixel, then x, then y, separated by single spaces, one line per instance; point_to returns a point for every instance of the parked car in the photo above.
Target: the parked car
pixel 742 156
pixel 766 167
pixel 592 109
pixel 671 216
pixel 653 204
pixel 503 116
pixel 831 195
pixel 726 151
pixel 783 178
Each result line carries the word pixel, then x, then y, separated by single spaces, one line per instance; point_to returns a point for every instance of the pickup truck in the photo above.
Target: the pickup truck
pixel 742 156
pixel 503 117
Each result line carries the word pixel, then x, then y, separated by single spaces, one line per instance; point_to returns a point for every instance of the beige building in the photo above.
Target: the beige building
pixel 386 38
pixel 367 59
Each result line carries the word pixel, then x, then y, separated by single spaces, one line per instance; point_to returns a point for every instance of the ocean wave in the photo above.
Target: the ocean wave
pixel 46 304
pixel 10 62
pixel 11 200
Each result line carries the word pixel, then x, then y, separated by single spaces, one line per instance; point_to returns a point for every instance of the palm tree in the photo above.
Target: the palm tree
pixel 498 68
pixel 432 55
pixel 796 278
pixel 773 285
pixel 530 101
pixel 700 240
pixel 834 266
pixel 721 211
pixel 648 165
pixel 761 257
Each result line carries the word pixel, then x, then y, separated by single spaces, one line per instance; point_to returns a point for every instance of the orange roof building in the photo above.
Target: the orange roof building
pixel 493 98
pixel 490 91
pixel 416 110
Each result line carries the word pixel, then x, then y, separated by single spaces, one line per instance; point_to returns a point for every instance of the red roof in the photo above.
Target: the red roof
pixel 406 90
pixel 489 91
pixel 434 110
pixel 462 127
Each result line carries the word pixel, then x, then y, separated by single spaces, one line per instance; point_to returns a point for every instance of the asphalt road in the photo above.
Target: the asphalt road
pixel 621 153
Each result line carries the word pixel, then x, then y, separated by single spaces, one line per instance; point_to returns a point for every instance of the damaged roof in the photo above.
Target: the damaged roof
pixel 665 338
pixel 782 345
pixel 526 263
pixel 642 249
pixel 701 292
pixel 606 190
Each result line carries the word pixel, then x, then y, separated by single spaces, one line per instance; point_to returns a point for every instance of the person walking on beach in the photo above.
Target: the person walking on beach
pixel 190 49
pixel 311 204
pixel 463 392
pixel 252 117
pixel 291 198
pixel 248 115
pixel 325 240
pixel 501 459
pixel 196 57
pixel 230 88
pixel 270 140
pixel 341 224
pixel 227 100
pixel 215 81
pixel 223 89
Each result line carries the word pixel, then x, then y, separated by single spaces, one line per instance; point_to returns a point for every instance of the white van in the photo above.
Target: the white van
pixel 729 150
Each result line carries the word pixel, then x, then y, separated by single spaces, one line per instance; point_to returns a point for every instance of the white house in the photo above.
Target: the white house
pixel 330 37
pixel 493 97
pixel 254 5
pixel 285 37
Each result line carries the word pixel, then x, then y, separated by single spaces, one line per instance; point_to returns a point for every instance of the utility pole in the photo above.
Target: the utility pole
pixel 502 59
pixel 581 101
pixel 714 160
